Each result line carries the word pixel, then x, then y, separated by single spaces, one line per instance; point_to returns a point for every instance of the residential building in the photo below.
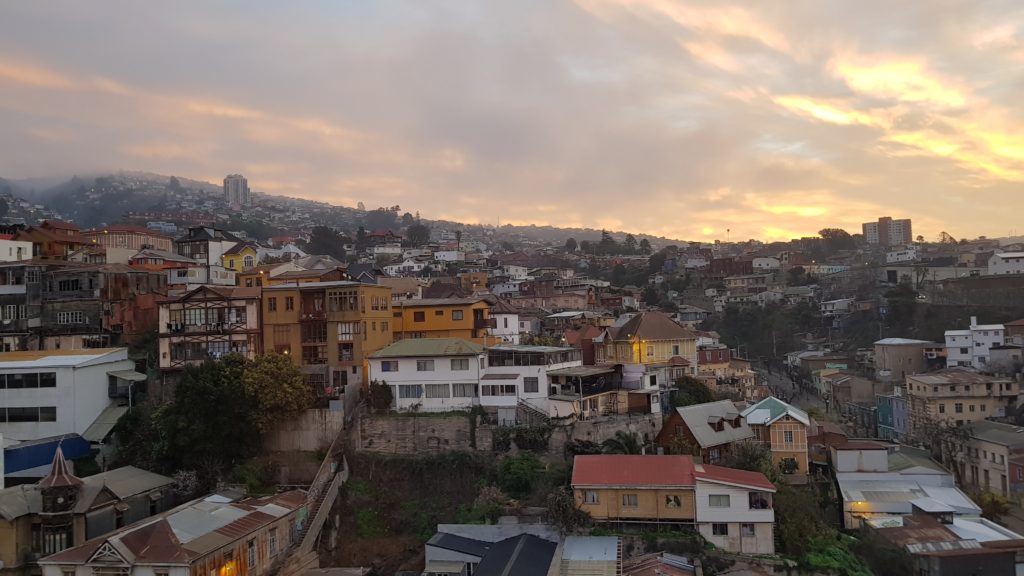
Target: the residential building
pixel 209 535
pixel 240 257
pixel 652 349
pixel 732 509
pixel 305 276
pixel 713 427
pixel 783 428
pixel 52 239
pixel 748 283
pixel 765 264
pixel 62 510
pixel 430 374
pixel 510 549
pixel 329 329
pixel 892 417
pixel 21 304
pixel 96 306
pixel 128 236
pixel 464 318
pixel 894 358
pixel 15 250
pixel 54 392
pixel 205 244
pixel 888 232
pixel 1015 332
pixel 192 276
pixel 1006 263
pixel 208 322
pixel 957 396
pixel 990 448
pixel 149 259
pixel 505 320
pixel 517 379
pixel 971 347
pixel 878 481
pixel 1006 359
pixel 236 191
pixel 908 254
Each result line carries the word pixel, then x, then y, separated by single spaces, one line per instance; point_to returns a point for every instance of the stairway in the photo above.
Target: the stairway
pixel 529 415
pixel 312 512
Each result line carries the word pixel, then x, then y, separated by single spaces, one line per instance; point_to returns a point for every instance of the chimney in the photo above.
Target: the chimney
pixel 974 321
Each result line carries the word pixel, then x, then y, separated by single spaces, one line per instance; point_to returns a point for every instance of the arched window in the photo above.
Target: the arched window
pixel 249 261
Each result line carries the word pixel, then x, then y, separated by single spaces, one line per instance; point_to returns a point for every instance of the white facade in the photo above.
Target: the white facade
pixel 515 272
pixel 70 391
pixel 236 190
pixel 766 264
pixel 836 307
pixel 431 384
pixel 861 460
pixel 904 255
pixel 14 250
pixel 971 347
pixel 408 266
pixel 449 256
pixel 386 249
pixel 1006 263
pixel 193 276
pixel 506 328
pixel 740 527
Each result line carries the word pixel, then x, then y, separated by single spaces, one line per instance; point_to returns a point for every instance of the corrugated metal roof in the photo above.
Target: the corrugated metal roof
pixel 104 423
pixel 426 347
pixel 699 418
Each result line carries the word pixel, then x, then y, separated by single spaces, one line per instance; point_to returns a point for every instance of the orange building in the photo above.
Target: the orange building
pixel 784 429
pixel 465 318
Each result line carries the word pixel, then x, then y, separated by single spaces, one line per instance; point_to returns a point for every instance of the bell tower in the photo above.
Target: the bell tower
pixel 59 491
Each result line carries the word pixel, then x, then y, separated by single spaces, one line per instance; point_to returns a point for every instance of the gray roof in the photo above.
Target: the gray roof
pixel 428 347
pixel 998 433
pixel 699 418
pixel 128 481
pixel 123 483
pixel 593 548
pixel 461 544
pixel 524 555
pixel 907 457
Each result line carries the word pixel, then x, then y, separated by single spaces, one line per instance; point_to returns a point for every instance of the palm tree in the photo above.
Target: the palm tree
pixel 623 443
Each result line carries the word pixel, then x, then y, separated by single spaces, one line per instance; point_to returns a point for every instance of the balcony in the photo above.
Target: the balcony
pixel 484 323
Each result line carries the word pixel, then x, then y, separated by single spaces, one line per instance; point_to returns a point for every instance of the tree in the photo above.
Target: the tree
pixel 587 247
pixel 645 246
pixel 571 245
pixel 623 443
pixel 993 506
pixel 407 219
pixel 618 277
pixel 563 512
pixel 517 474
pixel 630 244
pixel 836 239
pixel 656 263
pixel 380 396
pixel 752 456
pixel 681 446
pixel 276 388
pixel 920 239
pixel 650 295
pixel 360 206
pixel 607 245
pixel 797 276
pixel 325 241
pixel 360 237
pixel 417 234
pixel 946 441
pixel 690 391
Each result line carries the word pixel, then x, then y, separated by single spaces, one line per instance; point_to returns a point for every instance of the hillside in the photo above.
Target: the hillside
pixel 103 198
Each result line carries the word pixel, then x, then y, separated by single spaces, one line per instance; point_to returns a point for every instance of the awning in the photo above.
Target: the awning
pixel 130 375
pixel 499 376
pixel 581 371
pixel 100 429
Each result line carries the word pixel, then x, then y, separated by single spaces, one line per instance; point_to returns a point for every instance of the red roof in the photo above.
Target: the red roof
pixel 631 470
pixel 60 474
pixel 678 361
pixel 745 478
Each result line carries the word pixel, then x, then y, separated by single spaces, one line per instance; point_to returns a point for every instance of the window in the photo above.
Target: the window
pixel 438 312
pixel 590 497
pixel 70 317
pixel 438 391
pixel 271 304
pixel 673 501
pixel 746 530
pixel 942 408
pixel 389 365
pixel 984 407
pixel 410 391
pixel 289 303
pixel 248 261
pixel 718 500
pixel 466 390
pixel 384 327
pixel 675 349
pixel 499 390
pixel 457 315
pixel 47 413
pixel 424 365
pixel 720 529
pixel 272 538
pixel 316 354
pixel 531 384
pixel 460 364
pixel 629 501
pixel 958 408
pixel 251 545
pixel 67 571
pixel 650 350
pixel 419 317
pixel 46 380
pixel 787 436
pixel 69 285
pixel 970 408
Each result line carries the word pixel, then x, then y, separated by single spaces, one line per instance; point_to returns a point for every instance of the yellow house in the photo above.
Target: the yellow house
pixel 465 318
pixel 784 429
pixel 240 257
pixel 652 349
pixel 329 329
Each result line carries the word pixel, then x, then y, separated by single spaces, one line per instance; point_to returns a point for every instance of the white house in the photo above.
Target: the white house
pixel 908 254
pixel 734 509
pixel 430 374
pixel 449 256
pixel 192 276
pixel 838 307
pixel 386 249
pixel 1006 263
pixel 519 374
pixel 971 347
pixel 54 392
pixel 515 272
pixel 766 264
pixel 506 323
pixel 406 267
pixel 15 250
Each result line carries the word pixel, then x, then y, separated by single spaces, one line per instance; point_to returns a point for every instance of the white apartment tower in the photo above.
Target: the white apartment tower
pixel 236 190
pixel 888 232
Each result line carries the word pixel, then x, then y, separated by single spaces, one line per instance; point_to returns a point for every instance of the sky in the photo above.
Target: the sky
pixel 690 120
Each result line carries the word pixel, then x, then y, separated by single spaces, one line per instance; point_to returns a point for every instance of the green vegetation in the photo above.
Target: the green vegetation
pixel 690 391
pixel 518 475
pixel 623 443
pixel 219 416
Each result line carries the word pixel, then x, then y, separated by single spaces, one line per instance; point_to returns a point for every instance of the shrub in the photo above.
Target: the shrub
pixel 517 474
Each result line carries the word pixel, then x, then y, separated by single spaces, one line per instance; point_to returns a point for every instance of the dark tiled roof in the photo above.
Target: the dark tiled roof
pixel 652 326
pixel 525 555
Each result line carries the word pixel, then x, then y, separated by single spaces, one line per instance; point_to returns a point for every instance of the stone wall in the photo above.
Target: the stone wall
pixel 432 433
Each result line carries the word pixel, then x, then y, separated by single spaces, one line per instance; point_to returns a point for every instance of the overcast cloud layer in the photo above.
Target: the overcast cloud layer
pixel 681 119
